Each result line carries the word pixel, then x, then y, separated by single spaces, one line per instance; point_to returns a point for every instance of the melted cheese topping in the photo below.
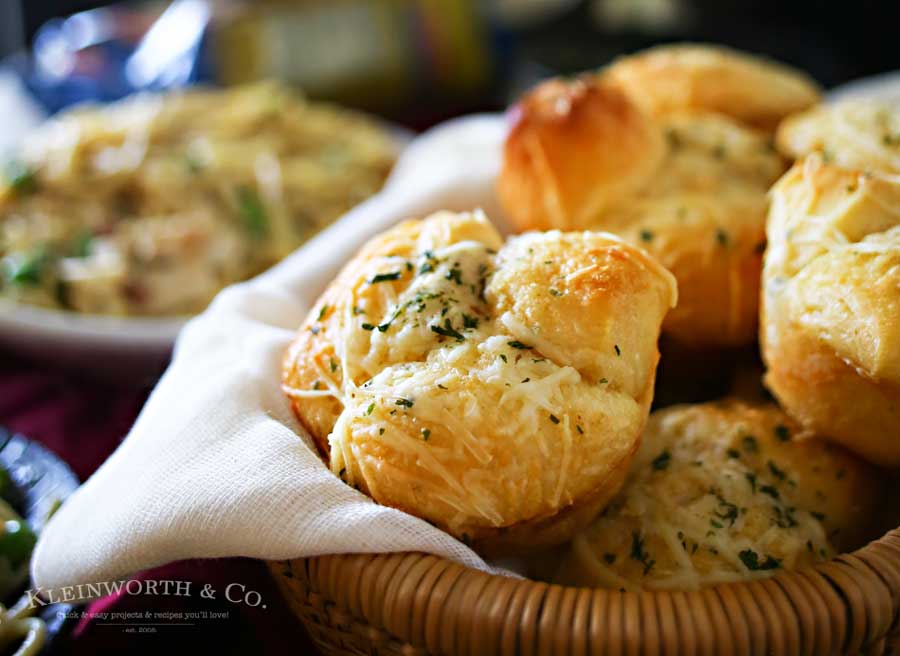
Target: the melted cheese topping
pixel 718 493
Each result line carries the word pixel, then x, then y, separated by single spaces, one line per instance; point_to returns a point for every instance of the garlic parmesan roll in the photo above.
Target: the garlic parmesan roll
pixel 755 91
pixel 690 188
pixel 856 134
pixel 724 492
pixel 495 390
pixel 831 304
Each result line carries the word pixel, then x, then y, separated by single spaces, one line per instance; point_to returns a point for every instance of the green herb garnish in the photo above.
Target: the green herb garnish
pixel 26 268
pixel 455 274
pixel 639 554
pixel 662 461
pixel 384 277
pixel 252 213
pixel 447 330
pixel 751 561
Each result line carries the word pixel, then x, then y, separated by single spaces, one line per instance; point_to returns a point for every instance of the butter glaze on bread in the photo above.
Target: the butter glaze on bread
pixel 495 390
pixel 689 187
pixel 757 92
pixel 830 323
pixel 723 492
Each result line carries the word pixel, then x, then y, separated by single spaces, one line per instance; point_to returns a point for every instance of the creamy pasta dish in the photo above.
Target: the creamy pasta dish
pixel 150 205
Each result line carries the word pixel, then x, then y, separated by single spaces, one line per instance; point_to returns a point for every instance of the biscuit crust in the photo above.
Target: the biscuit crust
pixel 495 390
pixel 698 77
pixel 689 187
pixel 831 305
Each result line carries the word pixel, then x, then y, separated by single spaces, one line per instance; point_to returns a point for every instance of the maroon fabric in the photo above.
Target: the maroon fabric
pixel 83 421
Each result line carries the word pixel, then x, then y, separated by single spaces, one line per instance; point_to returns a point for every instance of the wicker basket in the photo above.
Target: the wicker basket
pixel 414 603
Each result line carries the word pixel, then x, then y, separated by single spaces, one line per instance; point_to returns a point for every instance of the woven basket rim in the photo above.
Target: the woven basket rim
pixel 424 602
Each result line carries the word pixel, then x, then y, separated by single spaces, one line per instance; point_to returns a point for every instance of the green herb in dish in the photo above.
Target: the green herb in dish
pixel 25 268
pixel 252 213
pixel 20 177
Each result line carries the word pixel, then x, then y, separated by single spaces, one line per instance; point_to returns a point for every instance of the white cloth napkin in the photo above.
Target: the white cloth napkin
pixel 215 465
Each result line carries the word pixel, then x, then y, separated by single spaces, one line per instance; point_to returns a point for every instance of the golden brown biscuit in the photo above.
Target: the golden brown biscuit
pixel 557 129
pixel 755 91
pixel 495 390
pixel 830 323
pixel 724 492
pixel 689 188
pixel 857 134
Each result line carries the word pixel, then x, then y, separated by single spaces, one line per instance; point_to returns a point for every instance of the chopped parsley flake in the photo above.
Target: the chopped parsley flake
pixel 751 478
pixel 662 461
pixel 384 277
pixel 727 511
pixel 782 432
pixel 447 330
pixel 609 558
pixel 602 381
pixel 469 322
pixel 554 419
pixel 646 235
pixel 406 403
pixel 776 472
pixel 579 429
pixel 555 292
pixel 368 326
pixel 751 561
pixel 733 453
pixel 639 554
pixel 455 274
pixel 426 433
pixel 618 350
pixel 771 491
pixel 785 518
pixel 516 344
pixel 322 313
pixel 721 237
pixel 370 409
